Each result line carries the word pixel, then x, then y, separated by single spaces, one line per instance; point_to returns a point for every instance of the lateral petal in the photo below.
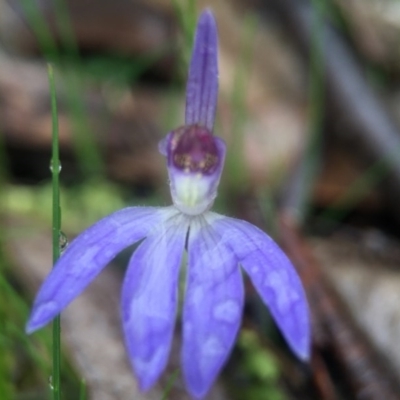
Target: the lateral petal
pixel 149 299
pixel 202 85
pixel 212 309
pixel 274 277
pixel 87 255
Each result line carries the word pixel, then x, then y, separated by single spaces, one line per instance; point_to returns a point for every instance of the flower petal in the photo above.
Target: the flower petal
pixel 274 277
pixel 202 85
pixel 149 299
pixel 212 310
pixel 87 255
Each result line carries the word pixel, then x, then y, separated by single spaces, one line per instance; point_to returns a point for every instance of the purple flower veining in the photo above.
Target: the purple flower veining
pixel 217 246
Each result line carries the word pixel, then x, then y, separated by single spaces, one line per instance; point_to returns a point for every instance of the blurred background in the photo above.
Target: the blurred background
pixel 309 106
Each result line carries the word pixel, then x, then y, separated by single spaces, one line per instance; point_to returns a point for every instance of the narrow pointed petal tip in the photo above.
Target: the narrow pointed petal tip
pixel 207 18
pixel 41 314
pixel 301 346
pixel 202 85
pixel 304 354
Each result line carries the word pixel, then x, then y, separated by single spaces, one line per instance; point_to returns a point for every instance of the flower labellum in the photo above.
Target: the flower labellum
pixel 217 247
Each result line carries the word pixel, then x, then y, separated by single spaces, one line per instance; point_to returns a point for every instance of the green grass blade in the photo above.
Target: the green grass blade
pixel 316 97
pixel 82 390
pixel 170 384
pixel 55 167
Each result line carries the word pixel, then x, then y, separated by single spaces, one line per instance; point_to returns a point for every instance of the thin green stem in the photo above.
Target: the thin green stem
pixel 37 22
pixel 235 161
pixel 187 15
pixel 82 390
pixel 55 167
pixel 316 111
pixel 170 384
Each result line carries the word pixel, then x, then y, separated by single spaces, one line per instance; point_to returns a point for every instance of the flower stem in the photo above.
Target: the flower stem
pixel 55 168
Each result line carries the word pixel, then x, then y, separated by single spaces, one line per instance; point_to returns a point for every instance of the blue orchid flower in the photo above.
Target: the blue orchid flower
pixel 217 247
